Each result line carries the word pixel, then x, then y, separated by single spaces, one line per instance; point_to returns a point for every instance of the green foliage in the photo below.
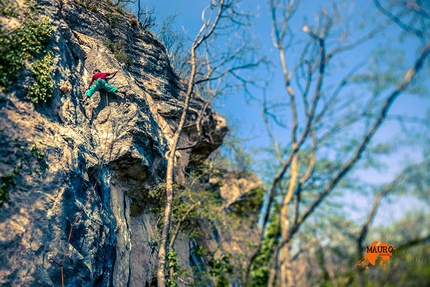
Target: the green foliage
pixel 35 35
pixel 251 204
pixel 4 194
pixel 260 271
pixel 120 10
pixel 197 209
pixel 222 282
pixel 172 263
pixel 196 199
pixel 8 179
pixel 8 9
pixel 171 283
pixel 220 266
pixel 27 41
pixel 117 48
pixel 43 89
pixel 89 4
pixel 113 19
pixel 217 268
pixel 40 155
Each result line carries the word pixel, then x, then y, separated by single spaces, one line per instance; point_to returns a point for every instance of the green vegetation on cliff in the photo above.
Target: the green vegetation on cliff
pixel 24 42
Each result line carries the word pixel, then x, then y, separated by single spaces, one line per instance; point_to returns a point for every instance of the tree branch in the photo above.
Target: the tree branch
pixel 383 113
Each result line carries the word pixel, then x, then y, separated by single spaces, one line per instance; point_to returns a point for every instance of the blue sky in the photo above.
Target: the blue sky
pixel 248 114
pixel 189 20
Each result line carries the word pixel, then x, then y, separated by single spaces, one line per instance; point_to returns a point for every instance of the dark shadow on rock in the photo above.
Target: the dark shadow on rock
pixel 129 167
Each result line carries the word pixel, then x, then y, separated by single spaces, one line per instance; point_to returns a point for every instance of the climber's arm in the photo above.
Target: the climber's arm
pixel 112 74
pixel 92 81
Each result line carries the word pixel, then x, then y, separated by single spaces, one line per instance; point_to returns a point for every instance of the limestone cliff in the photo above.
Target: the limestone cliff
pixel 96 162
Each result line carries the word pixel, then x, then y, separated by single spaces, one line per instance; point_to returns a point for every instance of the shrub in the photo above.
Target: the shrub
pixel 90 5
pixel 8 179
pixel 117 48
pixel 25 42
pixel 113 19
pixel 43 89
pixel 8 9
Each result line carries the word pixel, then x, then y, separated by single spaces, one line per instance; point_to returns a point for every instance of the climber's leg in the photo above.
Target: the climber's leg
pixel 91 91
pixel 110 88
pixel 89 94
pixel 98 84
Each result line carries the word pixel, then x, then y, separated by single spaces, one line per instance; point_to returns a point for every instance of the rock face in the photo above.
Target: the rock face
pixel 92 167
pixel 242 195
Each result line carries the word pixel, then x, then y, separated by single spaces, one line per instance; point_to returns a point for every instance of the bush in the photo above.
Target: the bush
pixel 43 89
pixel 24 43
pixel 90 5
pixel 8 9
pixel 117 48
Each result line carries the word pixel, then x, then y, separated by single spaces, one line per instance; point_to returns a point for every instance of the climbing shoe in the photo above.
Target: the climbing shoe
pixel 122 93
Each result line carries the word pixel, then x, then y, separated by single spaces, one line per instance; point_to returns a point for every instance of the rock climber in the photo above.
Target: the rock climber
pixel 99 81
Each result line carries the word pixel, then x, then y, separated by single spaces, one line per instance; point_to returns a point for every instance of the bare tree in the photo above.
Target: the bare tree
pixel 321 114
pixel 146 18
pixel 207 73
pixel 205 32
pixel 176 44
pixel 122 3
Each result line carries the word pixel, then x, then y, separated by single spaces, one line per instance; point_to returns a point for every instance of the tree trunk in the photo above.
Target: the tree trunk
pixel 286 278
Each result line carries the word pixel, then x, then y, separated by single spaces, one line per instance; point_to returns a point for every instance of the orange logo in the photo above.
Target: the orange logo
pixel 376 250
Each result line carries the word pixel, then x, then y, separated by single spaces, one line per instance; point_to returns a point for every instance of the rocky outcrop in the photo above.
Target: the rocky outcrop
pixel 237 236
pixel 92 167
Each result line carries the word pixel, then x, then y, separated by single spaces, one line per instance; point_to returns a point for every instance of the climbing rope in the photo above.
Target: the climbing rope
pixel 90 195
